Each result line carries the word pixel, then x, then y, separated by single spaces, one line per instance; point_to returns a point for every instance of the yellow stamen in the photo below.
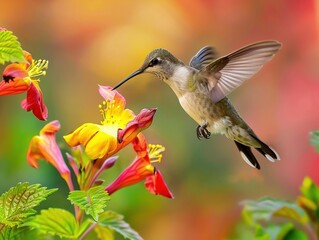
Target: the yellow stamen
pixel 111 114
pixel 109 111
pixel 155 152
pixel 36 68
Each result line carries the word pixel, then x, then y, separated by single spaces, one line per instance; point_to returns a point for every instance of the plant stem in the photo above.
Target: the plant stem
pixel 78 214
pixel 313 235
pixel 88 230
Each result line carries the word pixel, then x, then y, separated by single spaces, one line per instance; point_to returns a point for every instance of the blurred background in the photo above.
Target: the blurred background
pixel 100 42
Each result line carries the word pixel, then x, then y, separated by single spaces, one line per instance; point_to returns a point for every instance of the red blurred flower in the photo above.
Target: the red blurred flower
pixel 142 169
pixel 117 129
pixel 45 147
pixel 20 77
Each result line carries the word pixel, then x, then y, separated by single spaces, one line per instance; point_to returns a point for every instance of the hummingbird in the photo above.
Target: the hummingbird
pixel 202 88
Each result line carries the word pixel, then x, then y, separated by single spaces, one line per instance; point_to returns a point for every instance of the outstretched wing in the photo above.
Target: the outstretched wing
pixel 203 57
pixel 228 72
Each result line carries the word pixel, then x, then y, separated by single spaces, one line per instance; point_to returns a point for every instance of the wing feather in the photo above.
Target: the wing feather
pixel 203 57
pixel 235 68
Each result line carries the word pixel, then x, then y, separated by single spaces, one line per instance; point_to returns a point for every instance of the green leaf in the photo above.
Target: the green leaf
pixel 310 190
pixel 104 232
pixel 115 221
pixel 278 232
pixel 15 233
pixel 266 208
pixel 295 234
pixel 261 234
pixel 19 201
pixel 315 139
pixel 92 201
pixel 284 231
pixel 10 48
pixel 55 221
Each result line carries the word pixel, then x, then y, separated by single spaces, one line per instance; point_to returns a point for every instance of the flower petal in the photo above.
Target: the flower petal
pixel 137 171
pixel 81 135
pixel 45 147
pixel 155 184
pixel 34 102
pixel 100 145
pixel 14 86
pixel 140 145
pixel 108 94
pixel 51 128
pixel 142 121
pixel 34 154
pixel 97 143
pixel 15 71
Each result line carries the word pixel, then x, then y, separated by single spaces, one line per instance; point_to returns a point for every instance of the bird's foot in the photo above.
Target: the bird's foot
pixel 202 132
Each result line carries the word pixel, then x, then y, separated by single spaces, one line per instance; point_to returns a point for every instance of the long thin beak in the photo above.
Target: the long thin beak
pixel 137 72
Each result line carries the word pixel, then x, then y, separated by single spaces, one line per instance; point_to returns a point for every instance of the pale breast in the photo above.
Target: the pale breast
pixel 195 106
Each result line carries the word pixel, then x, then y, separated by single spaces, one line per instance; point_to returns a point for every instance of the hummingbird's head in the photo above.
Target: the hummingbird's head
pixel 159 62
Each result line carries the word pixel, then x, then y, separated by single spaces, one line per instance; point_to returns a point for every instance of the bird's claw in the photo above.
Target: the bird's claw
pixel 202 132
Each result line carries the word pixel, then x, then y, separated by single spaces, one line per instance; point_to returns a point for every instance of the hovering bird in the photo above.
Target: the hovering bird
pixel 202 87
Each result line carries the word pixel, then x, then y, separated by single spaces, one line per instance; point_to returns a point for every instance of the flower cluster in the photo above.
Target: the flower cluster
pixel 119 127
pixel 92 152
pixel 22 77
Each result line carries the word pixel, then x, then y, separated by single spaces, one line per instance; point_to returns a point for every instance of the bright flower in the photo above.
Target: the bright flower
pixel 142 169
pixel 117 129
pixel 20 77
pixel 45 147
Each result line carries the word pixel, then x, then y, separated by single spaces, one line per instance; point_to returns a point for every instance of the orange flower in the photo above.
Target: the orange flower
pixel 20 77
pixel 142 169
pixel 45 147
pixel 117 129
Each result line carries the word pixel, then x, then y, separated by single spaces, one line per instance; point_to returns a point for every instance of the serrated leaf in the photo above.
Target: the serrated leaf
pixel 115 221
pixel 55 221
pixel 15 233
pixel 93 201
pixel 310 190
pixel 104 232
pixel 19 201
pixel 266 208
pixel 10 48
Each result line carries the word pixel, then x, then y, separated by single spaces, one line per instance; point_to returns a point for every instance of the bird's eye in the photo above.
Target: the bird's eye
pixel 154 62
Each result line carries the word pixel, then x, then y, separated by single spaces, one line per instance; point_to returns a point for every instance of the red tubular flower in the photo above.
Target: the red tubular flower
pixel 117 129
pixel 34 102
pixel 20 77
pixel 142 169
pixel 155 184
pixel 45 147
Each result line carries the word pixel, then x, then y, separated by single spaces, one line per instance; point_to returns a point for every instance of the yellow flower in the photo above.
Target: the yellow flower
pixel 118 128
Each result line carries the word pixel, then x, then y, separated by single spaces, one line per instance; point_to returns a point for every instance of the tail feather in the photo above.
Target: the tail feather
pixel 265 150
pixel 249 157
